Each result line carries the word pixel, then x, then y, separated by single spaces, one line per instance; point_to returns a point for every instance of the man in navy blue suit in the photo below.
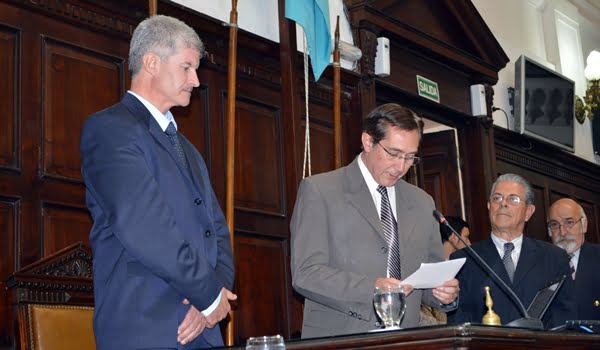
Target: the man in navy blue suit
pixel 526 265
pixel 567 226
pixel 163 266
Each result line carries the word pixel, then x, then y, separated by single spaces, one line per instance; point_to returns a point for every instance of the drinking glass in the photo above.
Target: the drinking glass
pixel 273 342
pixel 390 303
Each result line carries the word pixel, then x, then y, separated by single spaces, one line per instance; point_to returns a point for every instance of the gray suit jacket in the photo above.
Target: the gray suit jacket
pixel 339 249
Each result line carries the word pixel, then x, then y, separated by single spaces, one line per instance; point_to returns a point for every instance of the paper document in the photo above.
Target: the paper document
pixel 435 274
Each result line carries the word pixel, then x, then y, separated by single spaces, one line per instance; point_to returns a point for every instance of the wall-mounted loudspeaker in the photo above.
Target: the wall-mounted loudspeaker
pixel 478 105
pixel 382 57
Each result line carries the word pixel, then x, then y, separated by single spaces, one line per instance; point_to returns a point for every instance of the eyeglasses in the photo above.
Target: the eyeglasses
pixel 511 199
pixel 409 158
pixel 554 226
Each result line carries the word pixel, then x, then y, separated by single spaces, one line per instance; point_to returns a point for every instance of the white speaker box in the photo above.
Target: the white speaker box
pixel 478 105
pixel 382 57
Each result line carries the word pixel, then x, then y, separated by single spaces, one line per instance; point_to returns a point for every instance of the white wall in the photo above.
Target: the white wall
pixel 552 32
pixel 557 33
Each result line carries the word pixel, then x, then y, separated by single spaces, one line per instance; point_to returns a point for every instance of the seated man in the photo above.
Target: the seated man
pixel 450 244
pixel 567 226
pixel 526 265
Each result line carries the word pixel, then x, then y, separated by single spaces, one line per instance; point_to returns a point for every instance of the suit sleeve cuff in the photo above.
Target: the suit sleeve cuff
pixel 450 307
pixel 212 306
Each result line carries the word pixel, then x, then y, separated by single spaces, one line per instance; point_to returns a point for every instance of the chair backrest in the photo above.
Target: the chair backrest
pixel 59 327
pixel 53 301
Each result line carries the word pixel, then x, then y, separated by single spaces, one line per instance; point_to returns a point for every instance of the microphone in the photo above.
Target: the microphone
pixel 527 321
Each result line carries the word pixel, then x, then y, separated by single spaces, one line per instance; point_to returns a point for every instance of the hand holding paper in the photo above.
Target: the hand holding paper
pixel 434 274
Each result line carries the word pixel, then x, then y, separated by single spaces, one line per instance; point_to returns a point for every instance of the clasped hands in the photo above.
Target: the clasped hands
pixel 446 293
pixel 194 322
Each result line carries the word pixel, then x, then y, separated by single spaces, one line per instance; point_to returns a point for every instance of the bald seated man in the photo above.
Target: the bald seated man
pixel 567 226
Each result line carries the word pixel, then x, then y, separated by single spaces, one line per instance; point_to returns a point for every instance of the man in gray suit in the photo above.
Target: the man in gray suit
pixel 361 227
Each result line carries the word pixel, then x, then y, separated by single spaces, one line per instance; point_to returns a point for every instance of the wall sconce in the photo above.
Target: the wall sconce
pixel 592 74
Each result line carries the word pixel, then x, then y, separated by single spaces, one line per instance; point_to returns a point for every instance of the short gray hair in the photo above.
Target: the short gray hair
pixel 529 195
pixel 162 35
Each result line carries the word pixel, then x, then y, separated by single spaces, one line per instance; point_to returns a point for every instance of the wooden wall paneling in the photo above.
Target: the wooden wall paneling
pixel 76 83
pixel 440 171
pixel 261 265
pixel 9 86
pixel 9 226
pixel 63 226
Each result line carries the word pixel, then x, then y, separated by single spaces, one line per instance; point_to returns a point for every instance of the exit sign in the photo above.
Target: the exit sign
pixel 428 89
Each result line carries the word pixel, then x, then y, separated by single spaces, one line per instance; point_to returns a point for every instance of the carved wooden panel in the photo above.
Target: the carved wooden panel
pixel 9 86
pixel 259 172
pixel 63 226
pixel 321 152
pixel 9 210
pixel 76 83
pixel 261 282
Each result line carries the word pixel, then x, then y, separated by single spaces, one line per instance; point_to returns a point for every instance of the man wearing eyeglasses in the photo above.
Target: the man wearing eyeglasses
pixel 567 226
pixel 525 264
pixel 361 227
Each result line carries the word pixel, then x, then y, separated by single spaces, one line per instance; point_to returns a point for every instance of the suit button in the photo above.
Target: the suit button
pixel 384 250
pixel 207 234
pixel 350 313
pixel 197 201
pixel 359 316
pixel 377 324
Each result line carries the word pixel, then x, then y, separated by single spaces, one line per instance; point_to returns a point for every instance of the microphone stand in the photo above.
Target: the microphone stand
pixel 526 321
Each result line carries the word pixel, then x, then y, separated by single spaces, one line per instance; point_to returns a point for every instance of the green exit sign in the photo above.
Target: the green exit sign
pixel 428 89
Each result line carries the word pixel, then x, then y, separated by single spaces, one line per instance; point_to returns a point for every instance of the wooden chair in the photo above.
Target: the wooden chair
pixel 54 301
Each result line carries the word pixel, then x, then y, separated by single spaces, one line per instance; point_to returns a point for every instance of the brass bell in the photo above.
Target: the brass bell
pixel 490 318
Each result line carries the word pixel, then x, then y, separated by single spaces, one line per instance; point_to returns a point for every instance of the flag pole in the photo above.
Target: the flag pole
pixel 152 7
pixel 230 170
pixel 337 130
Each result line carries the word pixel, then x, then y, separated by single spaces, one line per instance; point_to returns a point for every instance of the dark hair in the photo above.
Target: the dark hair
pixel 381 118
pixel 457 223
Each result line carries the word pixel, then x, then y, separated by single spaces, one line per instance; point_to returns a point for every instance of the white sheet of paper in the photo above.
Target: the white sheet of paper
pixel 435 274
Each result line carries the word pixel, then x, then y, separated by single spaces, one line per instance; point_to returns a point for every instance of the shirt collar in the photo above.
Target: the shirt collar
pixel 163 120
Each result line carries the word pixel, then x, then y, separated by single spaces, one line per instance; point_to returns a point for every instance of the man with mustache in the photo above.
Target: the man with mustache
pixel 361 227
pixel 525 264
pixel 567 226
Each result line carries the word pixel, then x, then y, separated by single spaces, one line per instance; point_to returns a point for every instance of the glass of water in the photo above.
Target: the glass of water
pixel 273 342
pixel 390 303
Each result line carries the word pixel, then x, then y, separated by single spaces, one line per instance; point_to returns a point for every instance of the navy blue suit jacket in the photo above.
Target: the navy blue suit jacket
pixel 540 263
pixel 159 235
pixel 587 282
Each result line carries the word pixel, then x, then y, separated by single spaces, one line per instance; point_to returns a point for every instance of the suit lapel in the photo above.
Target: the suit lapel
pixel 527 260
pixel 143 115
pixel 406 220
pixel 489 254
pixel 358 195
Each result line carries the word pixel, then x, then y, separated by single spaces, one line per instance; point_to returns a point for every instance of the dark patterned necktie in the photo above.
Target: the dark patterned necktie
pixel 391 233
pixel 509 265
pixel 572 265
pixel 174 138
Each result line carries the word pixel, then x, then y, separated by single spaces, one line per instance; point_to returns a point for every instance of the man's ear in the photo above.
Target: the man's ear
pixel 530 211
pixel 151 63
pixel 367 142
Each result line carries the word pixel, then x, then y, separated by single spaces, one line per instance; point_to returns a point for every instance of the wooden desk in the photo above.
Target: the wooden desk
pixel 462 337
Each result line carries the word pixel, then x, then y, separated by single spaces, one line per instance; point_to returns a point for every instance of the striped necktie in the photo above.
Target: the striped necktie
pixel 572 265
pixel 174 138
pixel 390 228
pixel 507 260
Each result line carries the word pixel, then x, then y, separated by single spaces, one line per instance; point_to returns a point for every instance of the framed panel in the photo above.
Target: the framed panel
pixel 259 171
pixel 76 83
pixel 62 226
pixel 9 88
pixel 9 211
pixel 261 286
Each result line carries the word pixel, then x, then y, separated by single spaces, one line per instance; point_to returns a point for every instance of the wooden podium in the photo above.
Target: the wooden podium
pixel 465 336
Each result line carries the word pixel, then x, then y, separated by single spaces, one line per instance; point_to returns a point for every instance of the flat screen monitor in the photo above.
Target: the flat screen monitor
pixel 544 104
